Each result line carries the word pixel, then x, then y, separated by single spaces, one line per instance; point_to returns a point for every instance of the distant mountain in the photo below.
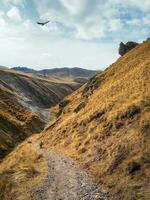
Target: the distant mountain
pixel 69 72
pixel 63 72
pixel 24 69
pixel 3 67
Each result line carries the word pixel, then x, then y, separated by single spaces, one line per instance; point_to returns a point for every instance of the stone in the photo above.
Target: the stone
pixel 125 48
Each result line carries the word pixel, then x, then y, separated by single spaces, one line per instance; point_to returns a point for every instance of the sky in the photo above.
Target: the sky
pixel 81 33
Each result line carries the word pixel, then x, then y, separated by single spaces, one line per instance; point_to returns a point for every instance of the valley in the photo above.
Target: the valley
pixel 25 102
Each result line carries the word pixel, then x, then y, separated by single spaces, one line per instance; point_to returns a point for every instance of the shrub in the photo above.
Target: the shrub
pixel 133 167
pixel 145 128
pixel 82 150
pixel 131 112
pixel 146 158
pixel 79 107
pixel 5 188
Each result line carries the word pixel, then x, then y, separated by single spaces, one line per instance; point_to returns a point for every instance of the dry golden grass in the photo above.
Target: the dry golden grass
pixel 106 126
pixel 20 172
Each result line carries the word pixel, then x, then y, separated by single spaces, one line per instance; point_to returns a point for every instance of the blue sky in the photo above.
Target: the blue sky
pixel 81 33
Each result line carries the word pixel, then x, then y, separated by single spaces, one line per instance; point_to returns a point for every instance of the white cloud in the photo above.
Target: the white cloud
pixel 135 22
pixel 89 19
pixel 2 22
pixel 2 13
pixel 146 20
pixel 94 31
pixel 115 25
pixel 14 14
pixel 14 2
pixel 143 5
pixel 73 6
pixel 28 25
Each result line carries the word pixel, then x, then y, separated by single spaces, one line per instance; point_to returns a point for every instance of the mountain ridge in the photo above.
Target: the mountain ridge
pixel 65 71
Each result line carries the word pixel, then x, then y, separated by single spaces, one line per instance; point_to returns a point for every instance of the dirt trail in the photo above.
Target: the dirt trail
pixel 66 181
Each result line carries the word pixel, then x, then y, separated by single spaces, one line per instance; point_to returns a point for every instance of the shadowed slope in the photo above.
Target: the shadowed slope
pixel 16 122
pixel 39 91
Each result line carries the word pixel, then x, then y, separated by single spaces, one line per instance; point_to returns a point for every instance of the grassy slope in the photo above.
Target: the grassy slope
pixel 21 171
pixel 106 126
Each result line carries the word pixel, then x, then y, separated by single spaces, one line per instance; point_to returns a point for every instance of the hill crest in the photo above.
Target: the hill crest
pixel 62 72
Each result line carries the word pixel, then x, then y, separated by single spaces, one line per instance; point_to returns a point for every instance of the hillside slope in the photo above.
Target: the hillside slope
pixel 24 104
pixel 105 125
pixel 40 91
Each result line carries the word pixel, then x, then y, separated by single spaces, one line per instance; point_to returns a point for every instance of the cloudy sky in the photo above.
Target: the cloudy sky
pixel 81 33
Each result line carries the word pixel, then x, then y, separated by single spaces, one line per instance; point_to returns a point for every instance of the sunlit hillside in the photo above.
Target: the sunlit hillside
pixel 105 125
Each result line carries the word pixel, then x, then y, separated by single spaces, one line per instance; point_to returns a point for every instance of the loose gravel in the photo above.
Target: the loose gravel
pixel 66 181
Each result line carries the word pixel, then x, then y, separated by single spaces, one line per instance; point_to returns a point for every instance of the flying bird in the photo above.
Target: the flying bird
pixel 43 23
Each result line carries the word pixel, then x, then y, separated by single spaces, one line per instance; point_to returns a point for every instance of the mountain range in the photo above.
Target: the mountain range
pixel 62 72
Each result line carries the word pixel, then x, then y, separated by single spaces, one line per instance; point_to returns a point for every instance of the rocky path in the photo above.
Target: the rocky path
pixel 66 181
